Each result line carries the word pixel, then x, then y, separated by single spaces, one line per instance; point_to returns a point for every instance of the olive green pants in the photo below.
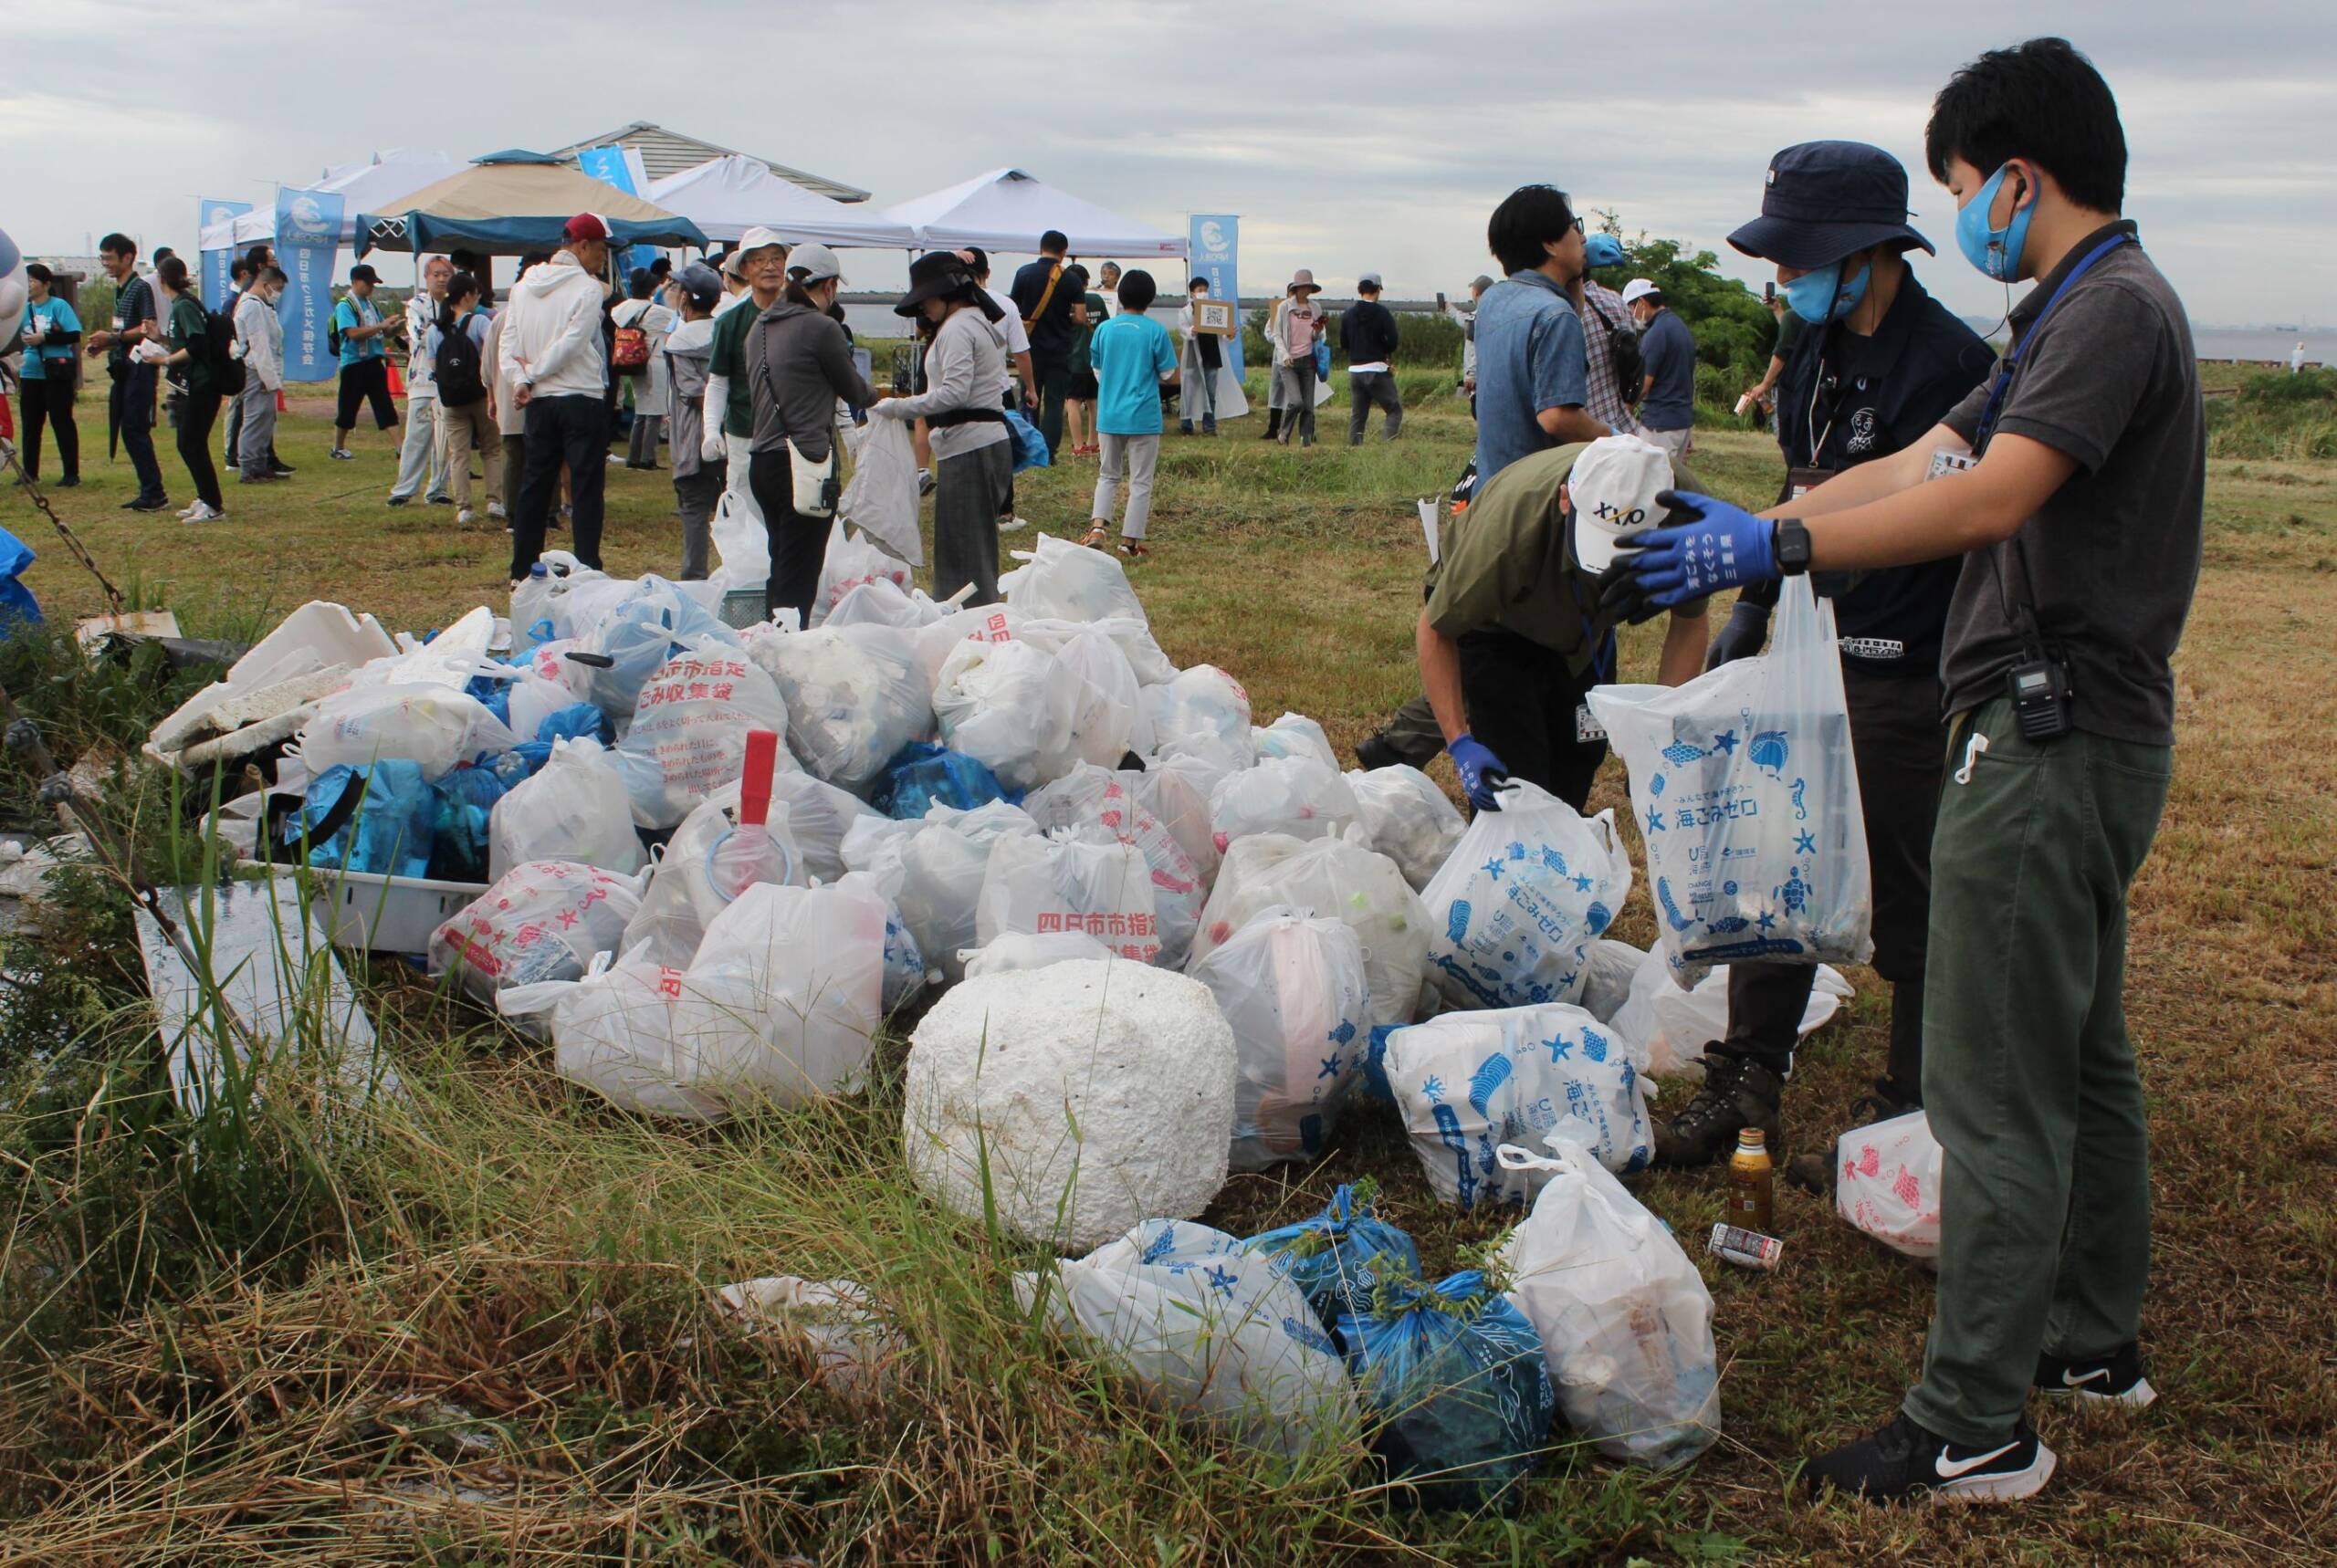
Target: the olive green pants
pixel 2029 1076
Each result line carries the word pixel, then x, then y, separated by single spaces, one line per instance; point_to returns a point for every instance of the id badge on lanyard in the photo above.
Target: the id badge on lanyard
pixel 1800 482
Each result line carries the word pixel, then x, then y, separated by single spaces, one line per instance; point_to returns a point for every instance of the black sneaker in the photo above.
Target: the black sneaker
pixel 70 481
pixel 147 504
pixel 442 500
pixel 401 500
pixel 1377 751
pixel 1736 1094
pixel 1904 1460
pixel 282 470
pixel 2113 1379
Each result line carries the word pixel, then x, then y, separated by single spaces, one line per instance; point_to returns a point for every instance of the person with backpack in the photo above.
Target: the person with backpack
pixel 457 345
pixel 354 336
pixel 259 343
pixel 1610 339
pixel 191 359
pixel 638 352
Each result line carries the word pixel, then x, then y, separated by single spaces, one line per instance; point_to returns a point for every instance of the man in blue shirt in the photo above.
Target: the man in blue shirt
pixel 1532 367
pixel 365 361
pixel 1668 355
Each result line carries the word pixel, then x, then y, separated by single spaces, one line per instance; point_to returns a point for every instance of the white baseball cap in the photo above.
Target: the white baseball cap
pixel 1614 486
pixel 1639 288
pixel 812 263
pixel 755 238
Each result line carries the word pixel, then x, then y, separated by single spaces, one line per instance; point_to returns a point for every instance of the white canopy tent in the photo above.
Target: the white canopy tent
pixel 372 184
pixel 727 196
pixel 1008 210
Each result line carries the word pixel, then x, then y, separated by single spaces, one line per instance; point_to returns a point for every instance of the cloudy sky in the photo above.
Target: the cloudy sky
pixel 1368 135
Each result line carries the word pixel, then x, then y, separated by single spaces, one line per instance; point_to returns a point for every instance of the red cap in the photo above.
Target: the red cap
pixel 754 789
pixel 586 225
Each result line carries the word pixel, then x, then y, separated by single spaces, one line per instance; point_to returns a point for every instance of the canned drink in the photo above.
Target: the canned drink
pixel 1746 1248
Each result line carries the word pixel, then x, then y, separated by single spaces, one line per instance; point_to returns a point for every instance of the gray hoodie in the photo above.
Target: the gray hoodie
pixel 797 363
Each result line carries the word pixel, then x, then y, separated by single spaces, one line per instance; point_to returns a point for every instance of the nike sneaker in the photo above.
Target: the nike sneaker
pixel 1906 1461
pixel 2113 1379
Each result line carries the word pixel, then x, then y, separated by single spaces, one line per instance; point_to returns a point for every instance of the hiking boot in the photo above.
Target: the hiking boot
pixel 1905 1459
pixel 1736 1094
pixel 1377 751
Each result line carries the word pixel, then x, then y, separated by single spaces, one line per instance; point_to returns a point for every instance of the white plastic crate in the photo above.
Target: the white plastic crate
pixel 389 914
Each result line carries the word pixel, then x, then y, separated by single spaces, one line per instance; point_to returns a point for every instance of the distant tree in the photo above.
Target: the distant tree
pixel 1733 329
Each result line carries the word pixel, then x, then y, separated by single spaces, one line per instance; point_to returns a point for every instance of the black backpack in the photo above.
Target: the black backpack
pixel 461 381
pixel 1623 354
pixel 219 347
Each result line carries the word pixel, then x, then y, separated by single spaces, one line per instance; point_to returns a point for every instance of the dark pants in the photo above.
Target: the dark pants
pixel 695 497
pixel 1895 737
pixel 366 380
pixel 1368 390
pixel 799 545
pixel 196 417
pixel 50 401
pixel 2028 1074
pixel 1052 372
pixel 515 464
pixel 1524 704
pixel 967 490
pixel 574 431
pixel 1413 731
pixel 1299 418
pixel 130 404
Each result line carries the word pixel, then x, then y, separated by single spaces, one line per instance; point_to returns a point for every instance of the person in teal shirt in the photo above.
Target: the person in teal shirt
pixel 52 336
pixel 364 359
pixel 1132 357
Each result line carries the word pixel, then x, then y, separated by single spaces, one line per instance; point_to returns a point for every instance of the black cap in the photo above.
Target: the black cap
pixel 1826 200
pixel 363 273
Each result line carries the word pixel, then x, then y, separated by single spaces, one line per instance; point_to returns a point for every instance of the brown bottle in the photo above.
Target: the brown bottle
pixel 1749 1197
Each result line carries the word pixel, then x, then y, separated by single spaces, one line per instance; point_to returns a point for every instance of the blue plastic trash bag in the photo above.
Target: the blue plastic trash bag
pixel 1374 1064
pixel 393 826
pixel 1340 1256
pixel 466 801
pixel 636 637
pixel 492 695
pixel 924 776
pixel 1029 446
pixel 16 602
pixel 1457 1396
pixel 1321 358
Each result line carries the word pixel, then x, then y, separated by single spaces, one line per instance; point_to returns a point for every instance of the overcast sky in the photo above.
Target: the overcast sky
pixel 1353 137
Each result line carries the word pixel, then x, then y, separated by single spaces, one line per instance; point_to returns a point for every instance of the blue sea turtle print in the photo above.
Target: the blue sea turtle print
pixel 1795 892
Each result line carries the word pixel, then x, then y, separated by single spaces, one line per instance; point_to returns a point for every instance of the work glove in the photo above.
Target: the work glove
pixel 1482 772
pixel 1717 546
pixel 1747 629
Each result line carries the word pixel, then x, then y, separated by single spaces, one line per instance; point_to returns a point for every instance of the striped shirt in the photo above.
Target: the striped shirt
pixel 1603 310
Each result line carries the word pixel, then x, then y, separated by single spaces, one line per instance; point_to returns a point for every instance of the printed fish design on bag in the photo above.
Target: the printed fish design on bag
pixel 1679 753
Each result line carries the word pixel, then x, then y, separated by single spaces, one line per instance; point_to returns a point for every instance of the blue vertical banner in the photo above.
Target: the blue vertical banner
pixel 307 240
pixel 1213 251
pixel 610 166
pixel 216 278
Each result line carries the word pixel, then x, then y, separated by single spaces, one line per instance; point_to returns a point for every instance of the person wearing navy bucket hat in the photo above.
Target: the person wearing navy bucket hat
pixel 2073 484
pixel 1880 362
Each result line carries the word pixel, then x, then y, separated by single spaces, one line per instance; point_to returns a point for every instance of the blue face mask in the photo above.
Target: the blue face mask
pixel 1822 296
pixel 1996 252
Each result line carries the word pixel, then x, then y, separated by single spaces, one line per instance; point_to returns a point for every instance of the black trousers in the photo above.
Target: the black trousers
pixel 572 431
pixel 49 400
pixel 1898 740
pixel 367 380
pixel 1052 372
pixel 130 405
pixel 799 545
pixel 1523 701
pixel 197 417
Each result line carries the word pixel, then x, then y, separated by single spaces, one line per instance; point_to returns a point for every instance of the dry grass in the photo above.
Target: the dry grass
pixel 508 1354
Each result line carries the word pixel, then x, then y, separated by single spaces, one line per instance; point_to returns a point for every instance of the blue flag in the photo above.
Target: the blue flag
pixel 610 167
pixel 1214 246
pixel 308 241
pixel 215 263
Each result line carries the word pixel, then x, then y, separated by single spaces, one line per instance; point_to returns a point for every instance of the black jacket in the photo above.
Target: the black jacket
pixel 1367 333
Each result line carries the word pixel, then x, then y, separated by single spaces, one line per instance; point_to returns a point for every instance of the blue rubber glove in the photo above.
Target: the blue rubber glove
pixel 1480 771
pixel 1709 546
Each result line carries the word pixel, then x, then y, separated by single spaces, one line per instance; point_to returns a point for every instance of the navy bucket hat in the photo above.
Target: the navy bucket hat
pixel 1826 200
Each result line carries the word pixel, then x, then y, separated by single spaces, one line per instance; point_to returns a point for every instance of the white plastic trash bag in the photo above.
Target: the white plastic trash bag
pixel 939 639
pixel 1009 705
pixel 1071 1102
pixel 1209 1333
pixel 852 560
pixel 1203 702
pixel 1668 1027
pixel 1014 952
pixel 433 727
pixel 853 695
pixel 1748 794
pixel 1887 1183
pixel 1068 882
pixel 1089 801
pixel 1406 818
pixel 881 498
pixel 1063 581
pixel 647 627
pixel 1294 734
pixel 1293 988
pixel 1106 723
pixel 688 734
pixel 1625 1320
pixel 541 920
pixel 741 543
pixel 837 1322
pixel 819 815
pixel 693 881
pixel 575 809
pixel 935 867
pixel 1468 1082
pixel 1607 975
pixel 884 602
pixel 1521 898
pixel 1177 794
pixel 1300 796
pixel 1337 877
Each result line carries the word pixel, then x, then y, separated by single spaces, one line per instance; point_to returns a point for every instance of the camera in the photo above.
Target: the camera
pixel 2039 690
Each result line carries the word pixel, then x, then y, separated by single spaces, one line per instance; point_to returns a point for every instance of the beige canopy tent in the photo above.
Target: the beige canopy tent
pixel 507 203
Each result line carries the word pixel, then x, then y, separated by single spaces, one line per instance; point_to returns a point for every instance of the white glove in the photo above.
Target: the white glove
pixel 714 447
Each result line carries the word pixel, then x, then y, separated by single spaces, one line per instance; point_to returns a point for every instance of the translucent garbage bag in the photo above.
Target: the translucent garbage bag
pixel 853 697
pixel 433 727
pixel 1294 734
pixel 1207 1332
pixel 1201 703
pixel 1339 1257
pixel 983 623
pixel 1406 818
pixel 940 861
pixel 694 879
pixel 1607 975
pixel 1667 1028
pixel 1455 1390
pixel 1521 898
pixel 1063 581
pixel 575 809
pixel 1041 885
pixel 1295 795
pixel 852 560
pixel 1176 792
pixel 1094 800
pixel 1748 794
pixel 1337 877
pixel 541 920
pixel 1009 705
pixel 885 602
pixel 1887 1183
pixel 925 775
pixel 1468 1082
pixel 1106 719
pixel 688 734
pixel 1625 1320
pixel 1015 952
pixel 1293 988
pixel 639 634
pixel 880 496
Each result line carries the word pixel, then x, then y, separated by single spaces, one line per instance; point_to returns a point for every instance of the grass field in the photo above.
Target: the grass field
pixel 482 1333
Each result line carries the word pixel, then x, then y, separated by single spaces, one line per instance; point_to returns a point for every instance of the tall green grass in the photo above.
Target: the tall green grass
pixel 2275 415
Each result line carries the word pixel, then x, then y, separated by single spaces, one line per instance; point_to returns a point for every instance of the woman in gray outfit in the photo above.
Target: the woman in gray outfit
pixel 799 361
pixel 973 456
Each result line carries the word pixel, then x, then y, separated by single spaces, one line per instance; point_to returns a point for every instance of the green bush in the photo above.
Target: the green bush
pixel 2278 416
